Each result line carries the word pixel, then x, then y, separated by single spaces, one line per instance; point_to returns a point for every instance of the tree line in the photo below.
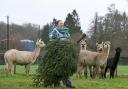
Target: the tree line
pixel 113 26
pixel 17 32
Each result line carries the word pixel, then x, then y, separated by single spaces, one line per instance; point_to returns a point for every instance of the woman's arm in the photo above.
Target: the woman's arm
pixel 56 34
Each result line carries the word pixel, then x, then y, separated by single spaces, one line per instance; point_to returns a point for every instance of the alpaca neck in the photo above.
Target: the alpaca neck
pixel 116 58
pixel 82 49
pixel 36 54
pixel 105 53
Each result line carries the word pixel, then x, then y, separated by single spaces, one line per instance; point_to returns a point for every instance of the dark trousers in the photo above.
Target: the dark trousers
pixel 67 83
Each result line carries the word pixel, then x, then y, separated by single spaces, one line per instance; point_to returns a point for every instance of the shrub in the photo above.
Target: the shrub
pixel 58 64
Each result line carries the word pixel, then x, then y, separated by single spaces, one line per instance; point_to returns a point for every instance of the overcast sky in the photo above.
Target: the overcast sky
pixel 43 11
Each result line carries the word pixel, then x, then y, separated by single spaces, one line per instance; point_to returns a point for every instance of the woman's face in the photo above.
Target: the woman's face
pixel 60 24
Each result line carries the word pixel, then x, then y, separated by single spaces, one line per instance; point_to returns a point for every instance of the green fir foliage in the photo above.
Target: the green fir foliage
pixel 58 64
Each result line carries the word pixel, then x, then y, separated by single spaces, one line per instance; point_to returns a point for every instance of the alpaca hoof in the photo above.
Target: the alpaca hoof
pixel 100 78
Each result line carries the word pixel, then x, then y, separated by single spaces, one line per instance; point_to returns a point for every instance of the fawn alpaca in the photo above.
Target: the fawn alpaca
pixel 13 57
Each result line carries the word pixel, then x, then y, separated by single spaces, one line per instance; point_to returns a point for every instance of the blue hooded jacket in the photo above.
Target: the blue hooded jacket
pixel 62 34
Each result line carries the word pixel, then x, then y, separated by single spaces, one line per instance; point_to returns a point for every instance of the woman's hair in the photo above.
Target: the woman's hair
pixel 57 22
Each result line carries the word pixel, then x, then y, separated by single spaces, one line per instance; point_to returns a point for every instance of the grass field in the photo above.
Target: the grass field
pixel 20 81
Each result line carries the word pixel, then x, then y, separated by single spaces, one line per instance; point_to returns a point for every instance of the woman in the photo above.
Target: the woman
pixel 62 33
pixel 59 32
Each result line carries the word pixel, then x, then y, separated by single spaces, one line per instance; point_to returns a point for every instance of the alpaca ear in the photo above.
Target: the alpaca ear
pixel 97 42
pixel 84 39
pixel 80 41
pixel 38 39
pixel 102 43
pixel 109 42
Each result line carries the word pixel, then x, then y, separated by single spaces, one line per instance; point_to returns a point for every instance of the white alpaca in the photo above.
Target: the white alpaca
pixel 97 59
pixel 83 46
pixel 13 57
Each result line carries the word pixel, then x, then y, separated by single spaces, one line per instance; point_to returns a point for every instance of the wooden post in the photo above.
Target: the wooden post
pixel 7 33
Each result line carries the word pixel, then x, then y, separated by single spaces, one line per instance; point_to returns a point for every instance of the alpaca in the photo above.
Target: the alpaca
pixel 99 46
pixel 113 62
pixel 103 47
pixel 13 57
pixel 96 59
pixel 82 49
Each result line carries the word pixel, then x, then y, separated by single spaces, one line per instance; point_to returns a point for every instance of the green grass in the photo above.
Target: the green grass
pixel 20 81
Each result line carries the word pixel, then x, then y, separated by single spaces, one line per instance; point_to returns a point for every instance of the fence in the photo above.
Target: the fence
pixel 123 61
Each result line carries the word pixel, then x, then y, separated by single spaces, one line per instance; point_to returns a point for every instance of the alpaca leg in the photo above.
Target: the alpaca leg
pixel 100 72
pixel 91 73
pixel 79 70
pixel 10 67
pixel 94 71
pixel 15 68
pixel 105 71
pixel 85 72
pixel 116 72
pixel 27 69
pixel 111 73
pixel 7 68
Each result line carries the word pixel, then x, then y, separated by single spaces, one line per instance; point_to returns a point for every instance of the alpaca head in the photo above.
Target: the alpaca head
pixel 99 46
pixel 40 43
pixel 118 49
pixel 83 44
pixel 106 44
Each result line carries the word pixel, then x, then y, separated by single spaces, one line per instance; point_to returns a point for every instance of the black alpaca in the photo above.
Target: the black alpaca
pixel 112 63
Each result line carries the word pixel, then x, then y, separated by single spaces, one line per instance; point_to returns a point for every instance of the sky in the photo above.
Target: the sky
pixel 42 12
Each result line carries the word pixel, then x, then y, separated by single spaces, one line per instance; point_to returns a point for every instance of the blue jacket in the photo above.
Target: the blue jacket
pixel 62 34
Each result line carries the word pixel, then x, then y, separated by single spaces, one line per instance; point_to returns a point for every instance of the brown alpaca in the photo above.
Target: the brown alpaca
pixel 97 59
pixel 13 57
pixel 103 49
